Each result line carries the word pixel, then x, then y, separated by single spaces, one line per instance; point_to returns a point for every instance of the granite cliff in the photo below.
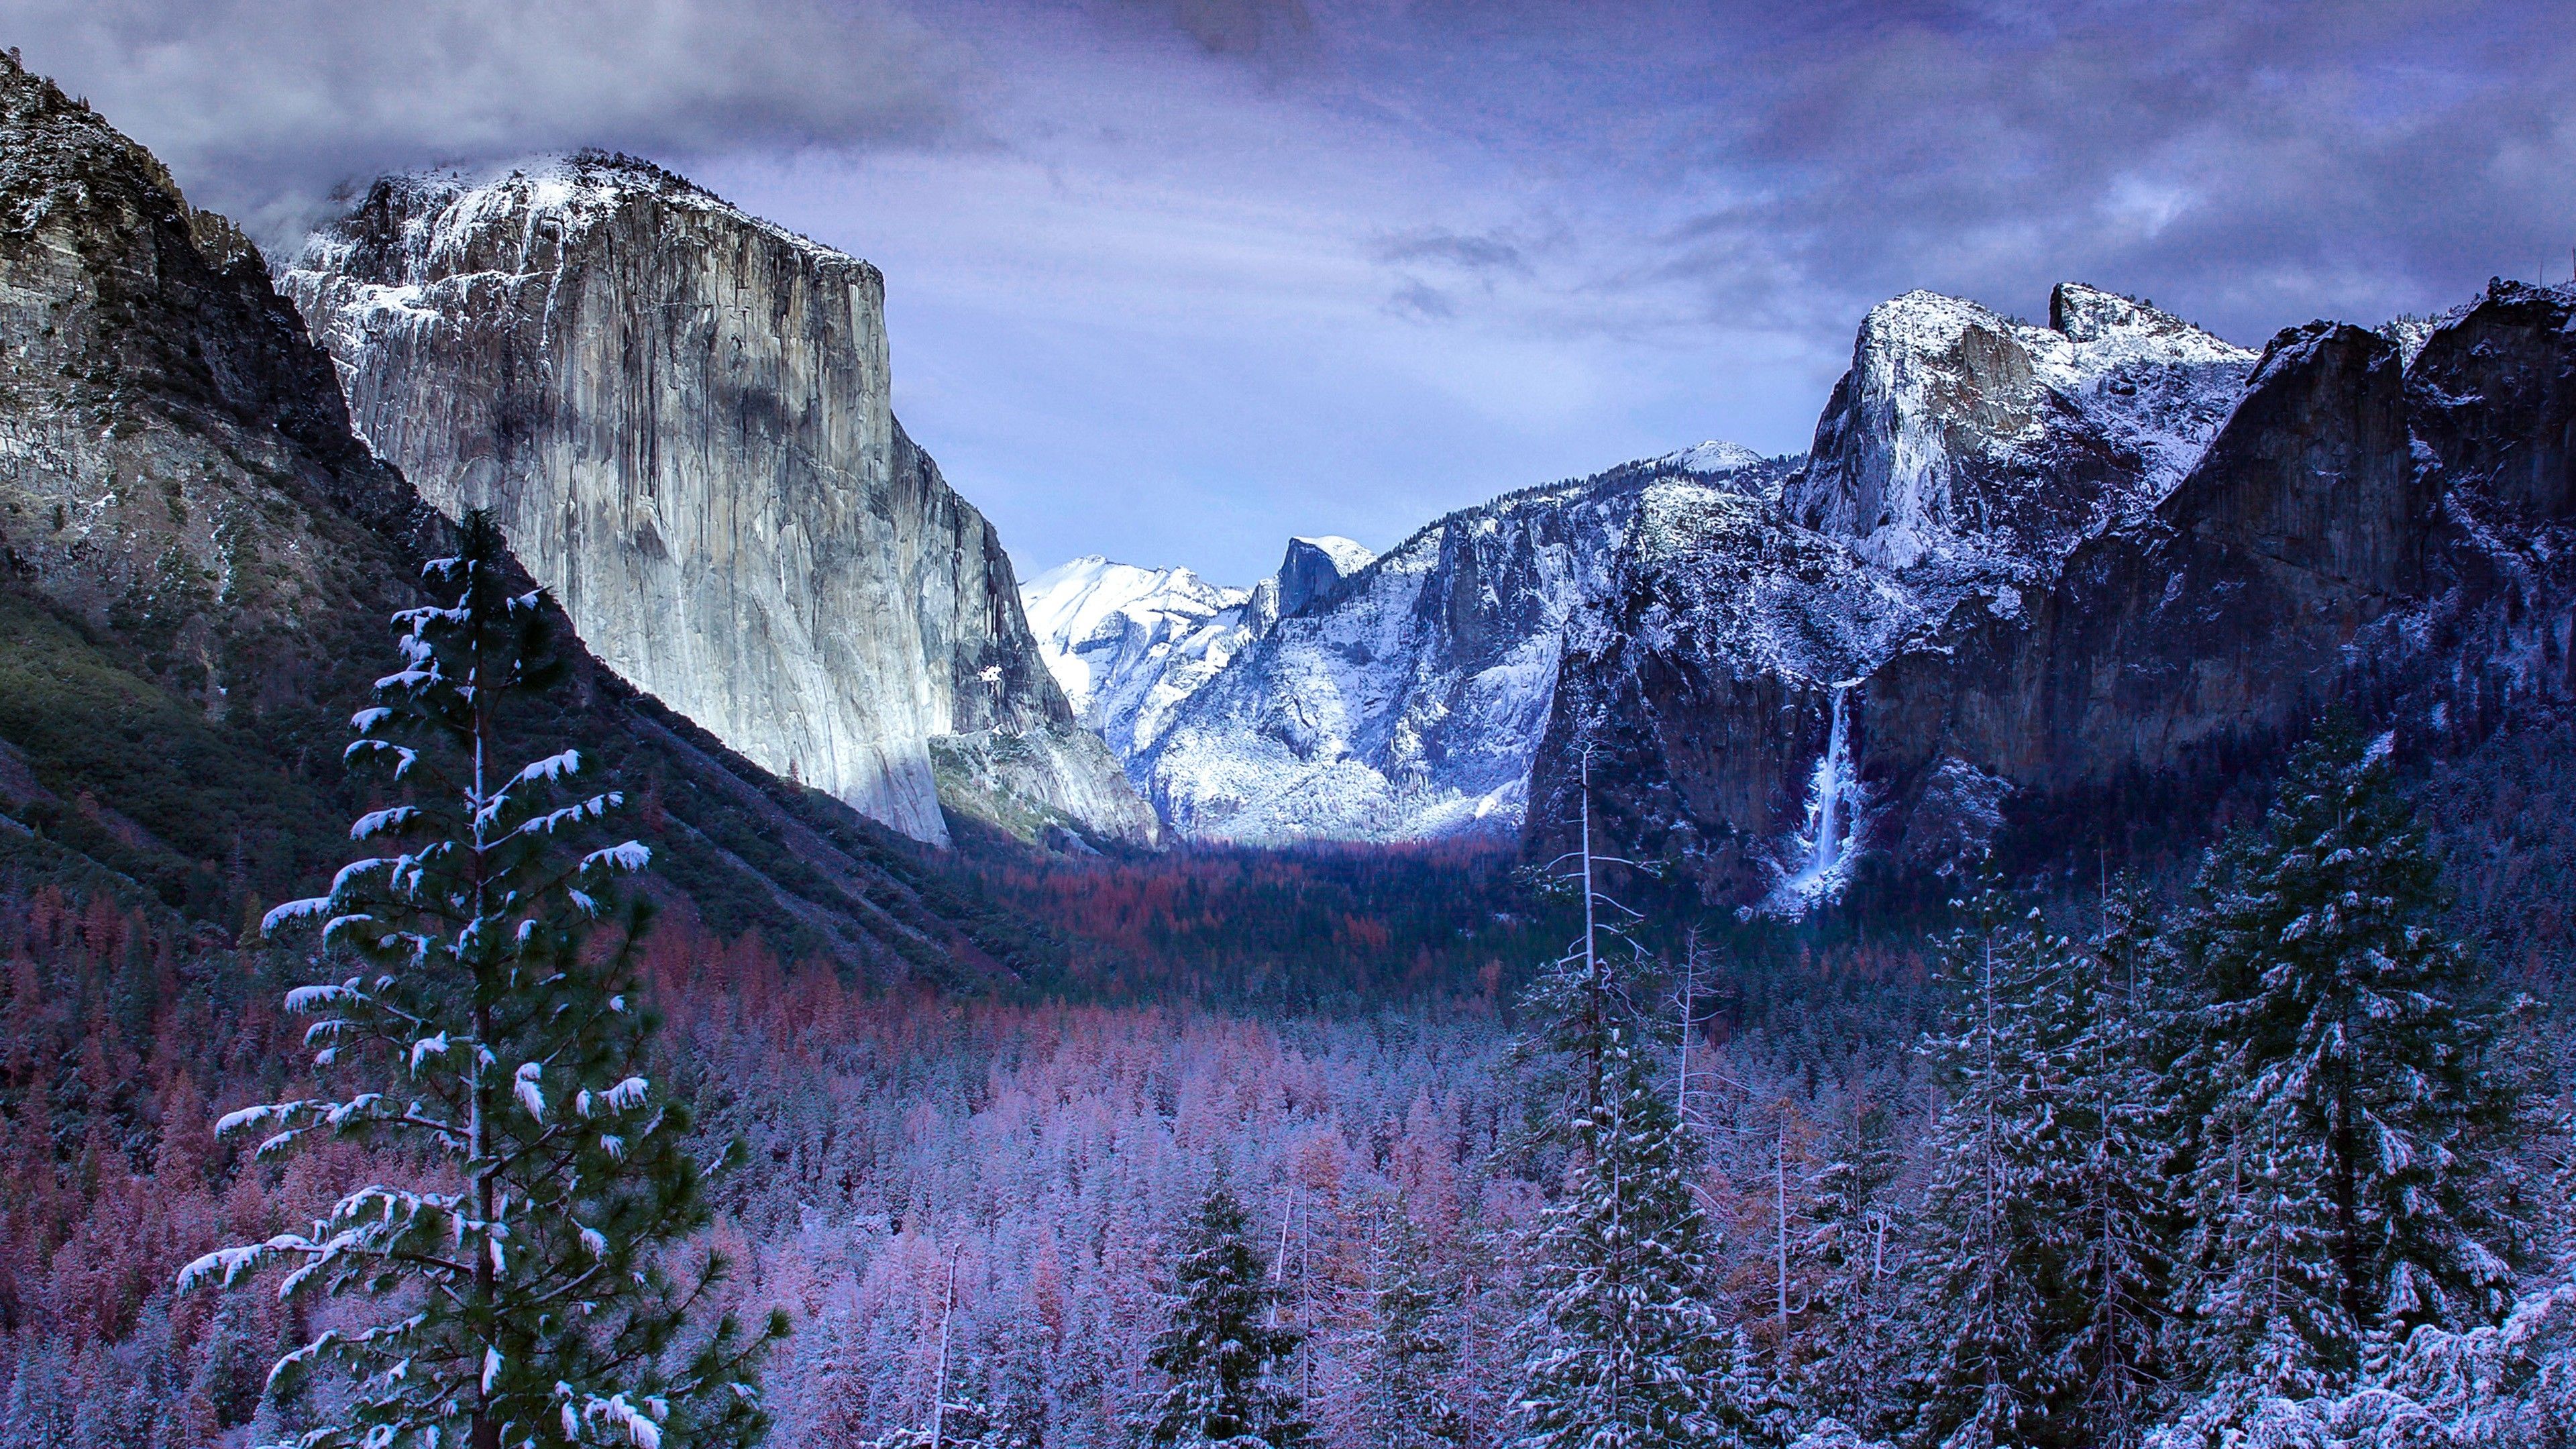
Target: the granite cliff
pixel 198 558
pixel 2004 589
pixel 681 415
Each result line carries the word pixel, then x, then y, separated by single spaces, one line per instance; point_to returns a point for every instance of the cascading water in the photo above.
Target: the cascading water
pixel 1833 809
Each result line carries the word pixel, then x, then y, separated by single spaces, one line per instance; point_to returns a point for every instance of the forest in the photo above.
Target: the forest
pixel 1339 1148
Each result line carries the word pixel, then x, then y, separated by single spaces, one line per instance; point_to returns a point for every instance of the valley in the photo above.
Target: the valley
pixel 2041 919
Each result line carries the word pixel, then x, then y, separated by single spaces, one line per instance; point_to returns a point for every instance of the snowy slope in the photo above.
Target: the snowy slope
pixel 1961 438
pixel 1409 702
pixel 1129 644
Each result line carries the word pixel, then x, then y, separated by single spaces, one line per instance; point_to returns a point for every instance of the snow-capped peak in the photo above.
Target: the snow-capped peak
pixel 1943 439
pixel 1347 555
pixel 516 216
pixel 1128 644
pixel 1712 459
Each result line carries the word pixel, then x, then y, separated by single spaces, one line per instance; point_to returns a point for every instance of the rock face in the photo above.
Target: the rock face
pixel 1314 571
pixel 1129 645
pixel 201 558
pixel 1961 436
pixel 2004 583
pixel 681 417
pixel 1403 697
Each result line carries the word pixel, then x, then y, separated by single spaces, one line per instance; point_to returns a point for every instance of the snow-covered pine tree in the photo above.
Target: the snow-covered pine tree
pixel 1621 1349
pixel 2038 1137
pixel 1407 1360
pixel 1226 1361
pixel 2117 1276
pixel 527 1277
pixel 1847 1247
pixel 2351 1116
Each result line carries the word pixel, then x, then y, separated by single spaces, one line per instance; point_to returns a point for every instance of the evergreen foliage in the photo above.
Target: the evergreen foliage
pixel 2036 1254
pixel 1622 1346
pixel 529 1294
pixel 2343 1161
pixel 1224 1354
pixel 1408 1361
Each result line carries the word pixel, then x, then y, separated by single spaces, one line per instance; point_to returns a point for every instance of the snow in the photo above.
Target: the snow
pixel 1711 459
pixel 1348 557
pixel 1128 644
pixel 1411 701
pixel 554 197
pixel 1942 450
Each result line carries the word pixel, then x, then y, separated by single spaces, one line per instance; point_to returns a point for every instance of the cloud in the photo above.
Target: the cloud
pixel 1240 27
pixel 1422 301
pixel 1482 253
pixel 261 106
pixel 2254 165
pixel 1137 249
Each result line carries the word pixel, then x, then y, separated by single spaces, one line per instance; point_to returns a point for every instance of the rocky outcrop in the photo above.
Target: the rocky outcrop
pixel 175 463
pixel 2223 618
pixel 198 561
pixel 1314 570
pixel 1962 437
pixel 1405 698
pixel 680 415
pixel 2361 533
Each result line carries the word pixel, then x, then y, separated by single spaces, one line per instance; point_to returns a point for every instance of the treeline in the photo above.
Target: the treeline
pixel 2274 1164
pixel 2273 1161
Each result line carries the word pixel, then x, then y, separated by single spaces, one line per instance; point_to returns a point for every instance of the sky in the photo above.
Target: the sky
pixel 1172 280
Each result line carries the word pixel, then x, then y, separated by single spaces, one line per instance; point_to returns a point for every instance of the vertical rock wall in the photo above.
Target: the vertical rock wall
pixel 682 417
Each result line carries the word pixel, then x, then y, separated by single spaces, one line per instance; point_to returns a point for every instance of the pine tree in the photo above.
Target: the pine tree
pixel 1992 1236
pixel 2348 1114
pixel 2039 1255
pixel 1621 1347
pixel 2116 1276
pixel 1408 1398
pixel 529 1280
pixel 1225 1357
pixel 1848 1249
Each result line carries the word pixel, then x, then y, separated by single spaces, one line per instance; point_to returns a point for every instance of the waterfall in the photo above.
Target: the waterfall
pixel 1833 810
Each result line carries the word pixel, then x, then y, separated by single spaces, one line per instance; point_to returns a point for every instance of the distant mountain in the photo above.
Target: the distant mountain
pixel 1403 697
pixel 681 415
pixel 2020 568
pixel 1129 644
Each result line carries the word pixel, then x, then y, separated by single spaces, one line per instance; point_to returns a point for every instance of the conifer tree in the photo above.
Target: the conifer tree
pixel 2115 1278
pixel 526 1281
pixel 1225 1357
pixel 1621 1347
pixel 1991 1236
pixel 2038 1255
pixel 1408 1363
pixel 2350 1114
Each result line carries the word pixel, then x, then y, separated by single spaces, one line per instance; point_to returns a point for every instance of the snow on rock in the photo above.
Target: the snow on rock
pixel 1314 570
pixel 1962 436
pixel 1129 644
pixel 1711 459
pixel 1403 697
